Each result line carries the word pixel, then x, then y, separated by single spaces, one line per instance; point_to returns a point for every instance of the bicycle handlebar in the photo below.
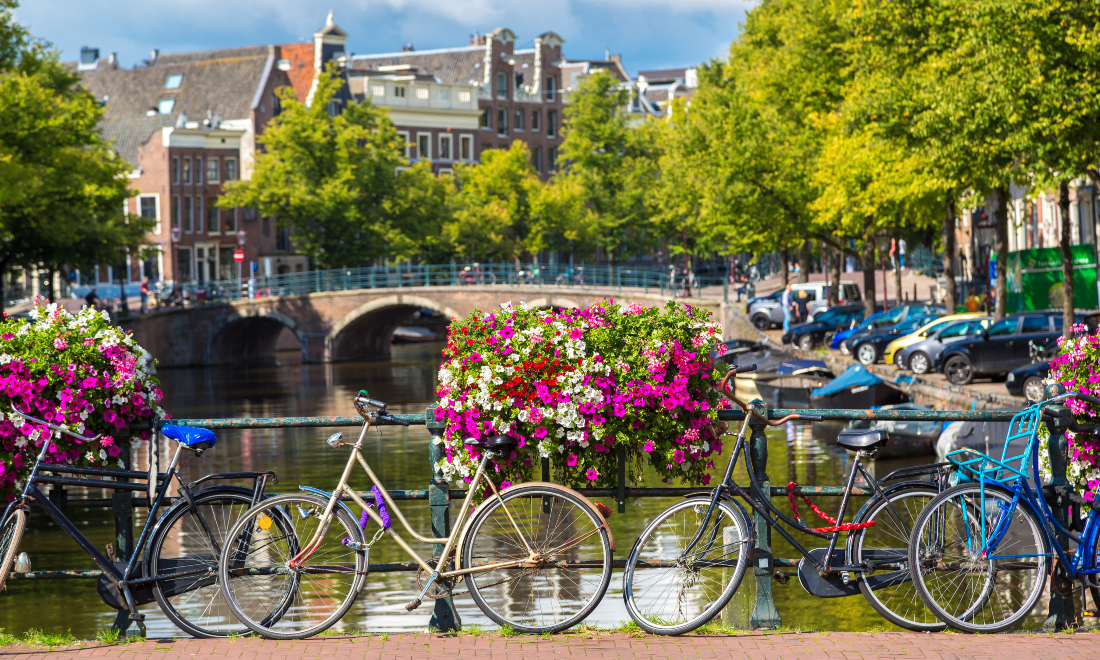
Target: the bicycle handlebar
pixel 395 420
pixel 54 427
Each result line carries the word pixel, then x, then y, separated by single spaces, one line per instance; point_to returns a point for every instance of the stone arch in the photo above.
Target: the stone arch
pixel 250 337
pixel 366 331
pixel 552 301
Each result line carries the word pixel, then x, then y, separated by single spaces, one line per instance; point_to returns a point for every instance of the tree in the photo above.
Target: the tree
pixel 335 180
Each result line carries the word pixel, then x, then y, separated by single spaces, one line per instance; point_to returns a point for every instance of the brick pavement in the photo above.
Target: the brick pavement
pixel 774 646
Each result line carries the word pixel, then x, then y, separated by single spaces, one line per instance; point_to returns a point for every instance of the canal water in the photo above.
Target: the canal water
pixel 400 457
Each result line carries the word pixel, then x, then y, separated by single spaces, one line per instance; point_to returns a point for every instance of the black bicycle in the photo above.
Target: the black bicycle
pixel 179 566
pixel 690 560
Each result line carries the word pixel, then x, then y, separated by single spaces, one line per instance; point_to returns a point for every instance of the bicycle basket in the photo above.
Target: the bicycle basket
pixel 980 466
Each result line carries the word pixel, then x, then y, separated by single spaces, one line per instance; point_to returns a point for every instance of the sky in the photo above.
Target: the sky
pixel 649 34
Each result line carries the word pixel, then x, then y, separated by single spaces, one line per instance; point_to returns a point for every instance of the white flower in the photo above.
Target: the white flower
pixel 5 358
pixel 121 464
pixel 544 448
pixel 135 442
pixel 106 316
pixel 90 457
pixel 102 455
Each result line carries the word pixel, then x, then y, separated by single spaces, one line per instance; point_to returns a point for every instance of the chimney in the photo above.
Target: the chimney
pixel 112 60
pixel 153 57
pixel 617 58
pixel 475 39
pixel 606 54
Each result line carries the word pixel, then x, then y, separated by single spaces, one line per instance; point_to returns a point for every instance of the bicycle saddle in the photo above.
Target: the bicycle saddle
pixel 494 442
pixel 189 436
pixel 858 440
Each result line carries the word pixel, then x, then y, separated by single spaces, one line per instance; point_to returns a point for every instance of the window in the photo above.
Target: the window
pixel 276 106
pixel 227 266
pixel 176 212
pixel 213 216
pixel 175 169
pixel 466 146
pixel 230 169
pixel 486 118
pixel 282 239
pixel 552 159
pixel 165 106
pixel 502 122
pixel 404 137
pixel 198 171
pixel 229 219
pixel 423 145
pixel 1035 324
pixel 502 85
pixel 173 81
pixel 198 214
pixel 535 117
pixel 519 121
pixel 464 97
pixel 552 123
pixel 1003 327
pixel 267 227
pixel 399 92
pixel 188 215
pixel 183 261
pixel 955 330
pixel 551 88
pixel 422 93
pixel 444 95
pixel 445 147
pixel 536 158
pixel 147 208
pixel 333 108
pixel 212 173
pixel 186 171
pixel 378 90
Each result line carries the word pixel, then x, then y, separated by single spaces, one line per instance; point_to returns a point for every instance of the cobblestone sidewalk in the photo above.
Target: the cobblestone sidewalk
pixel 773 646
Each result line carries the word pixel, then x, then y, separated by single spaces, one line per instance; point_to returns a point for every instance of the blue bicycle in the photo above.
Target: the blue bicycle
pixel 985 547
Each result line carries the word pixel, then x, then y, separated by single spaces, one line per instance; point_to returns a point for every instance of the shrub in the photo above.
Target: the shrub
pixel 578 385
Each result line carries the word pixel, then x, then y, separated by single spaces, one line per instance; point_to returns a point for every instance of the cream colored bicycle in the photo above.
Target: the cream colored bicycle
pixel 536 556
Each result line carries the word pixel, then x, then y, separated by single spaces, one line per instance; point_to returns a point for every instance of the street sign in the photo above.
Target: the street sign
pixel 238 256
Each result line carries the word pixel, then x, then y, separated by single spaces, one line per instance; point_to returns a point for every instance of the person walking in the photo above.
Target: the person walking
pixel 893 254
pixel 144 294
pixel 901 252
pixel 803 306
pixel 90 298
pixel 788 306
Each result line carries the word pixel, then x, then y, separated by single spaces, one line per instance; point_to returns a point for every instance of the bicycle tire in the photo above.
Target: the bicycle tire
pixel 548 509
pixel 883 591
pixel 287 602
pixel 973 616
pixel 11 534
pixel 642 606
pixel 178 526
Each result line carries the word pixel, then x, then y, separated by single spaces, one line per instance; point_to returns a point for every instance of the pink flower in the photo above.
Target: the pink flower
pixel 592 474
pixel 649 446
pixel 572 460
pixel 60 344
pixel 678 455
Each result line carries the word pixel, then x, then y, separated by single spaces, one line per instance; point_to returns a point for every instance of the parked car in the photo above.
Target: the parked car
pixel 808 335
pixel 890 355
pixel 766 311
pixel 1027 381
pixel 869 349
pixel 1005 346
pixel 838 339
pixel 889 319
pixel 920 356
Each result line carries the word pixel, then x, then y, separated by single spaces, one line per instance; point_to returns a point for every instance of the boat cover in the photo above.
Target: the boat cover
pixel 854 376
pixel 801 366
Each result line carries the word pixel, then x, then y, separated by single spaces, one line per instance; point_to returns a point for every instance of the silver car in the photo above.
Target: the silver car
pixel 920 357
pixel 767 311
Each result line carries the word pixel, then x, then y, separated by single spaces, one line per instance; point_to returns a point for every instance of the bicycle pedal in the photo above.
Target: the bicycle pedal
pixel 412 604
pixel 781 577
pixel 137 616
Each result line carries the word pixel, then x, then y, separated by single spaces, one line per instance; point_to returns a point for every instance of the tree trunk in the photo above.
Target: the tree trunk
pixel 949 248
pixel 50 293
pixel 1000 248
pixel 785 267
pixel 835 258
pixel 868 260
pixel 1067 261
pixel 897 270
pixel 804 257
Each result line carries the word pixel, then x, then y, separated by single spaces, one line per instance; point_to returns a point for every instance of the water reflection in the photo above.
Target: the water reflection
pixel 399 456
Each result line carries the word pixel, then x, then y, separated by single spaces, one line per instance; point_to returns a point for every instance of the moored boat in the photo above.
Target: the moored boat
pixel 907 438
pixel 791 382
pixel 855 389
pixel 412 335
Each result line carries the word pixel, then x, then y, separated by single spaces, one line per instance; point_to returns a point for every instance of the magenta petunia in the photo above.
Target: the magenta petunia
pixel 572 460
pixel 592 474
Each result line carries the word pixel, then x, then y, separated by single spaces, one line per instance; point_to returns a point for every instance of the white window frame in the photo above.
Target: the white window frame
pixel 517 121
pixel 198 170
pixel 236 174
pixel 177 211
pixel 188 172
pixel 502 121
pixel 449 153
pixel 200 209
pixel 213 208
pixel 423 94
pixel 423 138
pixel 399 91
pixel 536 121
pixel 156 209
pixel 189 216
pixel 444 95
pixel 502 76
pixel 404 135
pixel 378 91
pixel 176 170
pixel 217 170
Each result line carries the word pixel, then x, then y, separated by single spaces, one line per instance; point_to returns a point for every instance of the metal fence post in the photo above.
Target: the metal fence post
pixel 764 614
pixel 444 616
pixel 1062 613
pixel 122 501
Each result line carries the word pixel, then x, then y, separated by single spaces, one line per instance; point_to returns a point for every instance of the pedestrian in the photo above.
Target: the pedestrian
pixel 803 306
pixel 901 252
pixel 144 294
pixel 90 298
pixel 973 302
pixel 788 306
pixel 893 254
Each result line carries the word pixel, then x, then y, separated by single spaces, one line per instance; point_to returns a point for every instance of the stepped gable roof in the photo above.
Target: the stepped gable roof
pixel 129 133
pixel 455 66
pixel 301 71
pixel 221 82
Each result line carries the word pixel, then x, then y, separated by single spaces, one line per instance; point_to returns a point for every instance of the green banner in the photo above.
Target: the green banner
pixel 1035 278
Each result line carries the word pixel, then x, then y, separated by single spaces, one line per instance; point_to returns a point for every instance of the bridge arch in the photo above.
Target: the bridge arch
pixel 553 301
pixel 367 330
pixel 250 337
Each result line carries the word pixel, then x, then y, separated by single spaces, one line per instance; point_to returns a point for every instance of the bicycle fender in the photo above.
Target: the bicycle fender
pixel 328 495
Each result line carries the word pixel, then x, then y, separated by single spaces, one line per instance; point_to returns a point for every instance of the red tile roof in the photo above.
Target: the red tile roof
pixel 301 68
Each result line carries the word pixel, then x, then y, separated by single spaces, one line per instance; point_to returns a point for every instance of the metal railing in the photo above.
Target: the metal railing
pixel 439 494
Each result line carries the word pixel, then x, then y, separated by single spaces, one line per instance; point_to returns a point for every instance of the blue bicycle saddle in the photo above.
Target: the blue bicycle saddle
pixel 189 436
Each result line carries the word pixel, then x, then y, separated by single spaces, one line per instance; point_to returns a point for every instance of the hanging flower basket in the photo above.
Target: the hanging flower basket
pixel 76 371
pixel 579 386
pixel 1077 368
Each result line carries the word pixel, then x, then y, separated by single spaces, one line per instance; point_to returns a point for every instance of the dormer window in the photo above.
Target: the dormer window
pixel 165 106
pixel 502 86
pixel 174 81
pixel 399 92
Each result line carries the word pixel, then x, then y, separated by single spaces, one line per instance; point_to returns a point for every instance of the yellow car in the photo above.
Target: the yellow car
pixel 893 349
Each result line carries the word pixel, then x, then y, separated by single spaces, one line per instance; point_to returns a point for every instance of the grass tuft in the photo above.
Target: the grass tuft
pixel 6 639
pixel 716 627
pixel 36 637
pixel 384 637
pixel 508 631
pixel 472 630
pixel 109 636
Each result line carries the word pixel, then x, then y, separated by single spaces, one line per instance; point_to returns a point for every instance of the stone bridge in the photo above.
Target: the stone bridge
pixel 346 325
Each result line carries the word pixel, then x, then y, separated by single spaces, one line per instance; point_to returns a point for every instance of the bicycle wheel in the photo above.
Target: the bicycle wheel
pixel 277 595
pixel 888 588
pixel 964 587
pixel 189 541
pixel 668 592
pixel 11 533
pixel 570 572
